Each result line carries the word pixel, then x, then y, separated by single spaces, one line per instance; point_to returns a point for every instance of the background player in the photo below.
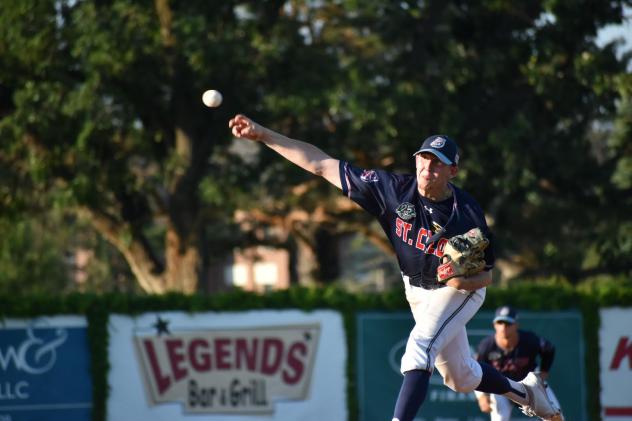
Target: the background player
pixel 514 353
pixel 419 213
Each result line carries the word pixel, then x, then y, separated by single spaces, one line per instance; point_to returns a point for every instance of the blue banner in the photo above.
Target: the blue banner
pixel 45 370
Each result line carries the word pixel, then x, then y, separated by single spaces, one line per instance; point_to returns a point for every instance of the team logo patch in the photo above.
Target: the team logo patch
pixel 406 211
pixel 438 142
pixel 369 176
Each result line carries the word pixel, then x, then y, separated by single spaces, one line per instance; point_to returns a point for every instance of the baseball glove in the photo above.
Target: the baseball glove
pixel 463 255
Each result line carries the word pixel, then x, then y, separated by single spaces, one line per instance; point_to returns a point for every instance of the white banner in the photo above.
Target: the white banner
pixel 272 365
pixel 615 364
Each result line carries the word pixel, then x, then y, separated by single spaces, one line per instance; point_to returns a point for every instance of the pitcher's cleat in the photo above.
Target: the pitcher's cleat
pixel 539 404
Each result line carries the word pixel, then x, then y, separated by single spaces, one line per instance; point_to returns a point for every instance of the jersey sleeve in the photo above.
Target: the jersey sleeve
pixel 368 188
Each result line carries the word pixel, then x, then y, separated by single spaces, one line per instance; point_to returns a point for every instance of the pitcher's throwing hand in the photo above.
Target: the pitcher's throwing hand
pixel 245 128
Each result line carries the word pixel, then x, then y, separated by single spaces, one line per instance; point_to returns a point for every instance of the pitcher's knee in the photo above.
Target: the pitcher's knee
pixel 463 379
pixel 463 387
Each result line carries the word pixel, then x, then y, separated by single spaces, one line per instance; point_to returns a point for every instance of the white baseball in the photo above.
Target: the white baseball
pixel 212 98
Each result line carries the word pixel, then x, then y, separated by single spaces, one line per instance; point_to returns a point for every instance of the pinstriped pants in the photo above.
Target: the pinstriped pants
pixel 439 339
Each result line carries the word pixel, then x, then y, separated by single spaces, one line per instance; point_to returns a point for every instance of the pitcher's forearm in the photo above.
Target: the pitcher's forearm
pixel 303 154
pixel 471 283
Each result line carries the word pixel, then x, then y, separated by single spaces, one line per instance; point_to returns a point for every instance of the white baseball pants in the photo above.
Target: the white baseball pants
pixel 439 339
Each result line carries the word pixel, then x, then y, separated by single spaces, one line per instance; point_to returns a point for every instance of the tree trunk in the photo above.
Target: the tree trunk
pixel 307 265
pixel 183 264
pixel 179 272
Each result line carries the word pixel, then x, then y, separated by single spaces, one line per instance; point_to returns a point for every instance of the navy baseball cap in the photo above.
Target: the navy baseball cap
pixel 506 314
pixel 442 147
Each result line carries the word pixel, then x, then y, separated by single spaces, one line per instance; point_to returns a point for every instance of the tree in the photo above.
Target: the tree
pixel 50 252
pixel 29 262
pixel 100 112
pixel 522 87
pixel 525 83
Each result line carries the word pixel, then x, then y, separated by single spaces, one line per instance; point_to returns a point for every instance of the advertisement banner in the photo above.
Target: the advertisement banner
pixel 272 365
pixel 615 363
pixel 45 370
pixel 382 339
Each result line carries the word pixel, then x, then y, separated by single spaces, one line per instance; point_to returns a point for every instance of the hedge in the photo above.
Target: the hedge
pixel 96 308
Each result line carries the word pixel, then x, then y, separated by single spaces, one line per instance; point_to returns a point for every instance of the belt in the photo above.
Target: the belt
pixel 426 283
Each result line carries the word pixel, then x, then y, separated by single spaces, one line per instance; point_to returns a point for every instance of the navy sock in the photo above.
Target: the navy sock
pixel 493 381
pixel 411 395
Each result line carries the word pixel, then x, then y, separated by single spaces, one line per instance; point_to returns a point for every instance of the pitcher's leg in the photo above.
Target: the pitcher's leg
pixel 441 316
pixel 411 395
pixel 438 319
pixel 462 373
pixel 459 370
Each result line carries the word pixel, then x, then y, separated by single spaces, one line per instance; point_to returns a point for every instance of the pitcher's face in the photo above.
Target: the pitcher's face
pixel 431 172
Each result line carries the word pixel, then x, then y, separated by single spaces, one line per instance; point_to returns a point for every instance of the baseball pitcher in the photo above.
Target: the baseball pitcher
pixel 441 240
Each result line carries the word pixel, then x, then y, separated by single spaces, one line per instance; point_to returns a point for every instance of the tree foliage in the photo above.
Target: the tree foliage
pixel 37 256
pixel 100 113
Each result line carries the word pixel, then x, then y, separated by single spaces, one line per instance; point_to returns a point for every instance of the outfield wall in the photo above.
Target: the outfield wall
pixel 304 354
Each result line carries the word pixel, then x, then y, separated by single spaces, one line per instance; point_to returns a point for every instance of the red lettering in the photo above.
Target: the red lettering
pixel 445 271
pixel 623 350
pixel 407 228
pixel 295 363
pixel 176 357
pixel 269 356
pixel 431 248
pixel 272 354
pixel 222 353
pixel 200 360
pixel 398 227
pixel 420 244
pixel 242 353
pixel 441 247
pixel 163 382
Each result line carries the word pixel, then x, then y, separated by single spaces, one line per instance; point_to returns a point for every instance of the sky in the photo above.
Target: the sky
pixel 623 31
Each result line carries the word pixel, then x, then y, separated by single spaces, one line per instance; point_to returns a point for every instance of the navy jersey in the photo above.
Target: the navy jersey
pixel 521 360
pixel 417 228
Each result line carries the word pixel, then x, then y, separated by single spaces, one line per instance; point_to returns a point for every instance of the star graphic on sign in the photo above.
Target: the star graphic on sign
pixel 162 326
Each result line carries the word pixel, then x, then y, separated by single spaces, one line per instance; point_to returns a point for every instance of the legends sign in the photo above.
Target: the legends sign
pixel 237 370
